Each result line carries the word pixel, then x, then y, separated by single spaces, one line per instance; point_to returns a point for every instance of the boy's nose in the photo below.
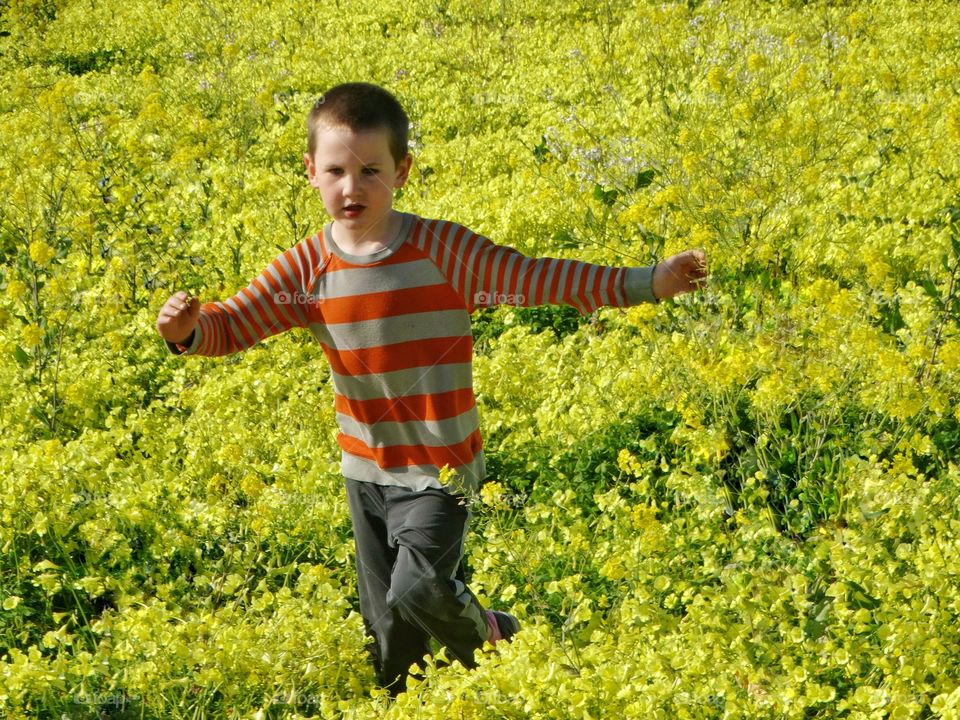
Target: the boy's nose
pixel 350 184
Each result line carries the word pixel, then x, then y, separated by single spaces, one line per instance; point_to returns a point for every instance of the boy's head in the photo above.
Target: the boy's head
pixel 360 106
pixel 357 156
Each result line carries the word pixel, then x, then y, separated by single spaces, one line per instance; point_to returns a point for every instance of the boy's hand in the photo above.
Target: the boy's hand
pixel 178 317
pixel 680 273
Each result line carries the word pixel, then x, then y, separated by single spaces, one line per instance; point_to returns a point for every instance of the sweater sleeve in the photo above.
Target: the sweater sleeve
pixel 273 302
pixel 488 274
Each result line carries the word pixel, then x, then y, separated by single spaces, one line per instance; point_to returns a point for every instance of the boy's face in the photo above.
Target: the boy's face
pixel 356 175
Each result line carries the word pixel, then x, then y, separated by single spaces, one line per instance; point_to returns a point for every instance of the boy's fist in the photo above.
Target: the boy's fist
pixel 178 317
pixel 680 273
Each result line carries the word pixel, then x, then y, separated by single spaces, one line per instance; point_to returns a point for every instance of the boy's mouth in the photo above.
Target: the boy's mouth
pixel 353 210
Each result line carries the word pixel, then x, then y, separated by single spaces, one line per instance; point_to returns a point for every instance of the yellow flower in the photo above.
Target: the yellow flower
pixel 445 475
pixel 800 77
pixel 40 252
pixel 32 335
pixel 949 355
pixel 251 485
pixel 16 290
pixel 492 494
pixel 670 195
pixel 743 111
pixel 857 20
pixel 717 78
pixel 9 603
pixel 953 121
pixel 58 317
pixel 701 235
pixel 756 62
pixel 628 463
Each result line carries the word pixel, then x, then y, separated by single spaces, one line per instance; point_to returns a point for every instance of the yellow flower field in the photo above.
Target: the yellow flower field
pixel 741 503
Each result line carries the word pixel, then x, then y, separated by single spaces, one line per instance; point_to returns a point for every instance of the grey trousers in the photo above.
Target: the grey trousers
pixel 410 577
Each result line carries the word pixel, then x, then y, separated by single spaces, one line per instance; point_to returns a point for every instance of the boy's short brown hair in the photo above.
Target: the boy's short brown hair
pixel 360 106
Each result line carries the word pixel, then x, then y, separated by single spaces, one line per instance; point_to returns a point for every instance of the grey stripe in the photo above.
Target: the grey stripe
pixel 574 287
pixel 237 303
pixel 410 381
pixel 291 261
pixel 282 315
pixel 473 277
pixel 447 231
pixel 240 302
pixel 360 281
pixel 403 328
pixel 511 260
pixel 280 282
pixel 562 283
pixel 602 282
pixel 426 433
pixel 415 477
pixel 539 268
pixel 587 298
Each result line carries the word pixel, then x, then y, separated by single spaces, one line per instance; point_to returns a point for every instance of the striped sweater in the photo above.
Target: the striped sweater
pixel 395 328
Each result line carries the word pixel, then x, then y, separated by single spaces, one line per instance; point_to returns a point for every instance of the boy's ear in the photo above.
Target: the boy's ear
pixel 311 169
pixel 403 170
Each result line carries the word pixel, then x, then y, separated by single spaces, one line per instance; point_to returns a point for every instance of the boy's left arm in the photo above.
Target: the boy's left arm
pixel 488 274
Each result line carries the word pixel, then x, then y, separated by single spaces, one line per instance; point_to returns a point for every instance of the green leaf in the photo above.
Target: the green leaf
pixel 565 239
pixel 817 624
pixel 644 178
pixel 872 514
pixel 607 197
pixel 541 152
pixel 22 357
pixel 38 413
pixel 860 598
pixel 931 288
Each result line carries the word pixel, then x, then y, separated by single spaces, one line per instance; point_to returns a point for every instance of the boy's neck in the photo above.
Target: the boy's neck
pixel 371 240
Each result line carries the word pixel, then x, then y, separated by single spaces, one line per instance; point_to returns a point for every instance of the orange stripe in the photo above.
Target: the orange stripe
pixel 436 406
pixel 400 356
pixel 390 303
pixel 527 282
pixel 611 287
pixel 265 321
pixel 253 311
pixel 510 286
pixel 270 287
pixel 223 314
pixel 464 267
pixel 554 286
pixel 455 244
pixel 454 455
pixel 582 288
pixel 486 266
pixel 568 283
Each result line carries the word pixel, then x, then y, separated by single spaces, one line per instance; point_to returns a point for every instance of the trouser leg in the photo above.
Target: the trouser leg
pixel 396 643
pixel 426 586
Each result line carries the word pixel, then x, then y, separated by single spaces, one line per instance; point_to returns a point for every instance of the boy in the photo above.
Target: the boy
pixel 388 295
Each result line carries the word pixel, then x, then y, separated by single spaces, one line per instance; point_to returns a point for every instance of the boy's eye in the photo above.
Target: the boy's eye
pixel 366 171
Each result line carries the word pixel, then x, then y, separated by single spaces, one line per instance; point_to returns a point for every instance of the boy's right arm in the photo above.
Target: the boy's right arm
pixel 273 302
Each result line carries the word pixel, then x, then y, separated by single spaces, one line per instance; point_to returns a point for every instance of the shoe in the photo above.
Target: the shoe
pixel 503 626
